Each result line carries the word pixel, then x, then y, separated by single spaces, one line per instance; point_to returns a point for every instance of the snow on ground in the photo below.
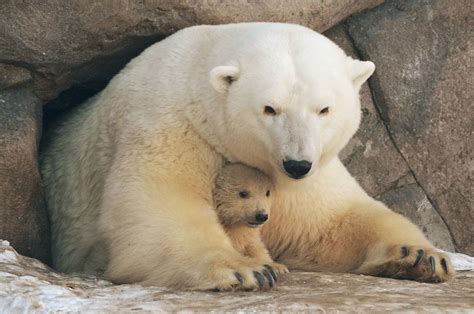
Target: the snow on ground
pixel 27 285
pixel 461 261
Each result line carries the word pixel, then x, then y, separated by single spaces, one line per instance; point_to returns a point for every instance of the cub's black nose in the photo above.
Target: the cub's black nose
pixel 297 169
pixel 261 217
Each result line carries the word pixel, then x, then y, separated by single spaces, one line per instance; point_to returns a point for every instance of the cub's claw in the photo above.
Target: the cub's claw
pixel 277 269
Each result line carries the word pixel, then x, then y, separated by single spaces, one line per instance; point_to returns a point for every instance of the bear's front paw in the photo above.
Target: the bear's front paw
pixel 415 263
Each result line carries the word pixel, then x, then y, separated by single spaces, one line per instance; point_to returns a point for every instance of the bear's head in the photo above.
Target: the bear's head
pixel 291 101
pixel 242 195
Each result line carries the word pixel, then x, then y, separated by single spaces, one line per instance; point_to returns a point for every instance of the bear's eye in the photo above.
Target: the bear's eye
pixel 269 110
pixel 268 193
pixel 324 111
pixel 244 194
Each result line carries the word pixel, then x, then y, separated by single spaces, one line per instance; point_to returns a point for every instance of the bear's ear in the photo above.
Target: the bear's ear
pixel 221 77
pixel 360 71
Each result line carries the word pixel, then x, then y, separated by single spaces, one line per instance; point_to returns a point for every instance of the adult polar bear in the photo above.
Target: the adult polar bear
pixel 129 174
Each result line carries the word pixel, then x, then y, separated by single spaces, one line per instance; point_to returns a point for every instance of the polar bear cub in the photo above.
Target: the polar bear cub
pixel 242 198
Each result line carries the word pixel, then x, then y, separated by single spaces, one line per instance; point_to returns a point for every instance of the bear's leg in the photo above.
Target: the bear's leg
pixel 368 238
pixel 398 249
pixel 330 224
pixel 157 236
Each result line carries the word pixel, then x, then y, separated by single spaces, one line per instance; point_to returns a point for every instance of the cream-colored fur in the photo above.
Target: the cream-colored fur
pixel 129 175
pixel 237 212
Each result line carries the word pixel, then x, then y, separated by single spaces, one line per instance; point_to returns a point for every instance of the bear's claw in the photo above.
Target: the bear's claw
pixel 444 265
pixel 272 272
pixel 405 251
pixel 432 264
pixel 269 277
pixel 239 278
pixel 260 279
pixel 419 255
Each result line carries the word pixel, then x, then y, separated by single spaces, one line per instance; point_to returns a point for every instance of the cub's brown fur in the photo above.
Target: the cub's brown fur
pixel 242 197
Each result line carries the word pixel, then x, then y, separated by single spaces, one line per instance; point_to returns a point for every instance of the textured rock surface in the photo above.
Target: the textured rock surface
pixel 23 219
pixel 375 162
pixel 82 41
pixel 11 76
pixel 423 90
pixel 27 285
pixel 420 211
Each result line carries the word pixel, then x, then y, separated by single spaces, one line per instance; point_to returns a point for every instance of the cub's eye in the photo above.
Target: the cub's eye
pixel 269 110
pixel 268 193
pixel 244 194
pixel 324 111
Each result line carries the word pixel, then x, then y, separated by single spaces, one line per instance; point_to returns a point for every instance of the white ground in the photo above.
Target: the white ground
pixel 27 285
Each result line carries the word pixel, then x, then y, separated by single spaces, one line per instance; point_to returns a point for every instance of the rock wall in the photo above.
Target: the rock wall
pixel 412 150
pixel 376 162
pixel 423 92
pixel 23 216
pixel 61 44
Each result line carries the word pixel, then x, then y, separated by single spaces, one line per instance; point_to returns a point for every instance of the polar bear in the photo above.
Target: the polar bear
pixel 242 199
pixel 129 174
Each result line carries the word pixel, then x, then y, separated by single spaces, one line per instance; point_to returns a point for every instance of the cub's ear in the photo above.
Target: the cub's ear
pixel 221 77
pixel 360 71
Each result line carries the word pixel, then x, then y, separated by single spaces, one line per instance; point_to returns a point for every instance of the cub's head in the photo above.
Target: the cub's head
pixel 242 195
pixel 291 100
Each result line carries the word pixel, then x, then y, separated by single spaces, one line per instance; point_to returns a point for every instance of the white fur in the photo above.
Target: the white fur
pixel 129 174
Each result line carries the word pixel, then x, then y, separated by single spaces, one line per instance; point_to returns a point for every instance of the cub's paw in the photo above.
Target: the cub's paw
pixel 278 268
pixel 415 263
pixel 274 268
pixel 232 276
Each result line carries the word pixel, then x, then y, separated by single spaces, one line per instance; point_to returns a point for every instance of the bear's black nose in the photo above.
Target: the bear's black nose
pixel 261 217
pixel 297 168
